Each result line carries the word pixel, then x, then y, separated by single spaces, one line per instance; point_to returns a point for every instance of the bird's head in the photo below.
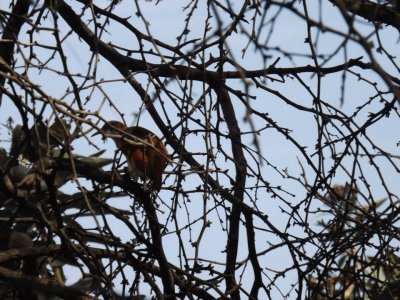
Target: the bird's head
pixel 111 128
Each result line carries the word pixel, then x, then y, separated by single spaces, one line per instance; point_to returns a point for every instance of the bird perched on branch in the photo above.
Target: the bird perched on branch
pixel 145 153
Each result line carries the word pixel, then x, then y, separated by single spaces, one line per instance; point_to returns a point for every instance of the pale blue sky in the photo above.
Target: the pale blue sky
pixel 165 23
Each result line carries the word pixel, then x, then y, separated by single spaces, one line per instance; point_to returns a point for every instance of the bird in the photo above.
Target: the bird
pixel 146 154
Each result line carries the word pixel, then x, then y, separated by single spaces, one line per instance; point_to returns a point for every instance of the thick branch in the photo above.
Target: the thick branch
pixel 123 256
pixel 371 11
pixel 11 32
pixel 178 71
pixel 145 199
pixel 240 184
pixel 47 286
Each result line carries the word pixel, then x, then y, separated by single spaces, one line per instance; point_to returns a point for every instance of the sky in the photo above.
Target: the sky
pixel 165 22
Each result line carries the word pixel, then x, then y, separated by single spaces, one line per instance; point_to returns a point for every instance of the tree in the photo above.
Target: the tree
pixel 280 118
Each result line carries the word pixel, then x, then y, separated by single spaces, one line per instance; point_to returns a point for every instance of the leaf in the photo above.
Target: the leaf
pixel 18 146
pixel 92 161
pixel 29 182
pixel 85 284
pixel 59 132
pixel 96 162
pixel 18 173
pixel 19 240
pixel 62 177
pixel 3 158
pixel 97 154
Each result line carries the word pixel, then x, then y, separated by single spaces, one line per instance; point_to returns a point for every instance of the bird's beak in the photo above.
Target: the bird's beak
pixel 104 137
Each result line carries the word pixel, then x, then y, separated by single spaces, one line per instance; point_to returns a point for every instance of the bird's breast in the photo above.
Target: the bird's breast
pixel 138 163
